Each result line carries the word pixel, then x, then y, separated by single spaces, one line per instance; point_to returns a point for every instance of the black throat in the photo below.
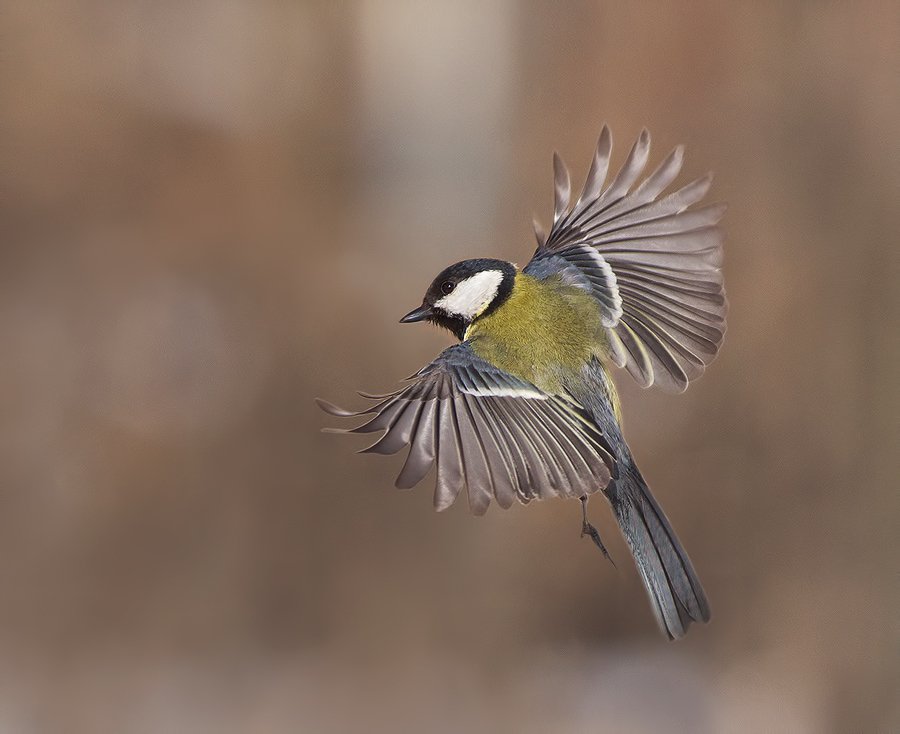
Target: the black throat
pixel 452 323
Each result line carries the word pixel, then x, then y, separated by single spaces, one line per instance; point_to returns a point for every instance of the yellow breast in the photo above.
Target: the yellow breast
pixel 544 329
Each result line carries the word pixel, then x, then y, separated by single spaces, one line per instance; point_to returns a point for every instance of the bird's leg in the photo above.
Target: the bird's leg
pixel 591 531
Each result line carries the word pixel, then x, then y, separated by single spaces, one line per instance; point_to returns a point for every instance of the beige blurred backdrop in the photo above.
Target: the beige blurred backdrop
pixel 214 211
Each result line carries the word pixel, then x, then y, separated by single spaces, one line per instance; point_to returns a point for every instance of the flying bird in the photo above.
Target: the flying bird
pixel 524 406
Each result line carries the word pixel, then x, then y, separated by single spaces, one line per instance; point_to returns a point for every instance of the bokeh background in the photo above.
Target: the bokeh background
pixel 214 211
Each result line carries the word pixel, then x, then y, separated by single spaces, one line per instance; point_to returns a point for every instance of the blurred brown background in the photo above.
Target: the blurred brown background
pixel 213 211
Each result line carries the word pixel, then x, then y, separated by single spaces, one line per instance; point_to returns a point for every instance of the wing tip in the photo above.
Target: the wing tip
pixel 333 409
pixel 442 504
pixel 540 233
pixel 479 511
pixel 562 184
pixel 402 483
pixel 604 143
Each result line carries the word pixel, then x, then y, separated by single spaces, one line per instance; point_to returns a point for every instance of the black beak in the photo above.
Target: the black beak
pixel 417 314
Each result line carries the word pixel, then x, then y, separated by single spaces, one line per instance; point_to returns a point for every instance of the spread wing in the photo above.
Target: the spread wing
pixel 497 435
pixel 651 262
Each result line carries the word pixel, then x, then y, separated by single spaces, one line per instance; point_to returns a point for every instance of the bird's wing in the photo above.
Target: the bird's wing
pixel 497 435
pixel 650 260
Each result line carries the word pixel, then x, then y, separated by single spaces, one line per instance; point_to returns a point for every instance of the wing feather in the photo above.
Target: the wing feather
pixel 565 461
pixel 651 262
pixel 513 439
pixel 498 436
pixel 596 177
pixel 450 474
pixel 422 451
pixel 562 187
pixel 594 459
pixel 479 477
pixel 503 475
pixel 556 478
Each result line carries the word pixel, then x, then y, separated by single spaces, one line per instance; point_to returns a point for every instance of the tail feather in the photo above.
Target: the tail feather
pixel 675 592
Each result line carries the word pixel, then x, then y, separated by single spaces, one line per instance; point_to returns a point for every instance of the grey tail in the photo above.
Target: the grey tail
pixel 671 582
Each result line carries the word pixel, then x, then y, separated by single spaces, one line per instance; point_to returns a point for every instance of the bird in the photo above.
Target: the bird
pixel 524 407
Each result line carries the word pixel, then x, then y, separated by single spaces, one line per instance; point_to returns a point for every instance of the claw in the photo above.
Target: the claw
pixel 591 531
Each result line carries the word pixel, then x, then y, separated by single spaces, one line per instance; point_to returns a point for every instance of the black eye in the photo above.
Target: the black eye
pixel 447 287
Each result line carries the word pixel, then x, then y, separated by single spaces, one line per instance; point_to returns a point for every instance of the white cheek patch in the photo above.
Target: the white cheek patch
pixel 472 295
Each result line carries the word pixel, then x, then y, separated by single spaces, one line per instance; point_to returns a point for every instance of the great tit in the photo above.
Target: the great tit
pixel 524 406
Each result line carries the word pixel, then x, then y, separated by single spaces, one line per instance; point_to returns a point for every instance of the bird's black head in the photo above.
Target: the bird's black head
pixel 464 292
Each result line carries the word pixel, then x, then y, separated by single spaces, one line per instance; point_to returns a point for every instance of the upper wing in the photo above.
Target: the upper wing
pixel 653 264
pixel 489 431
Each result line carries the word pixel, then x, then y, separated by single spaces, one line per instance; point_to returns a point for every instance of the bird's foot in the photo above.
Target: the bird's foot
pixel 591 532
